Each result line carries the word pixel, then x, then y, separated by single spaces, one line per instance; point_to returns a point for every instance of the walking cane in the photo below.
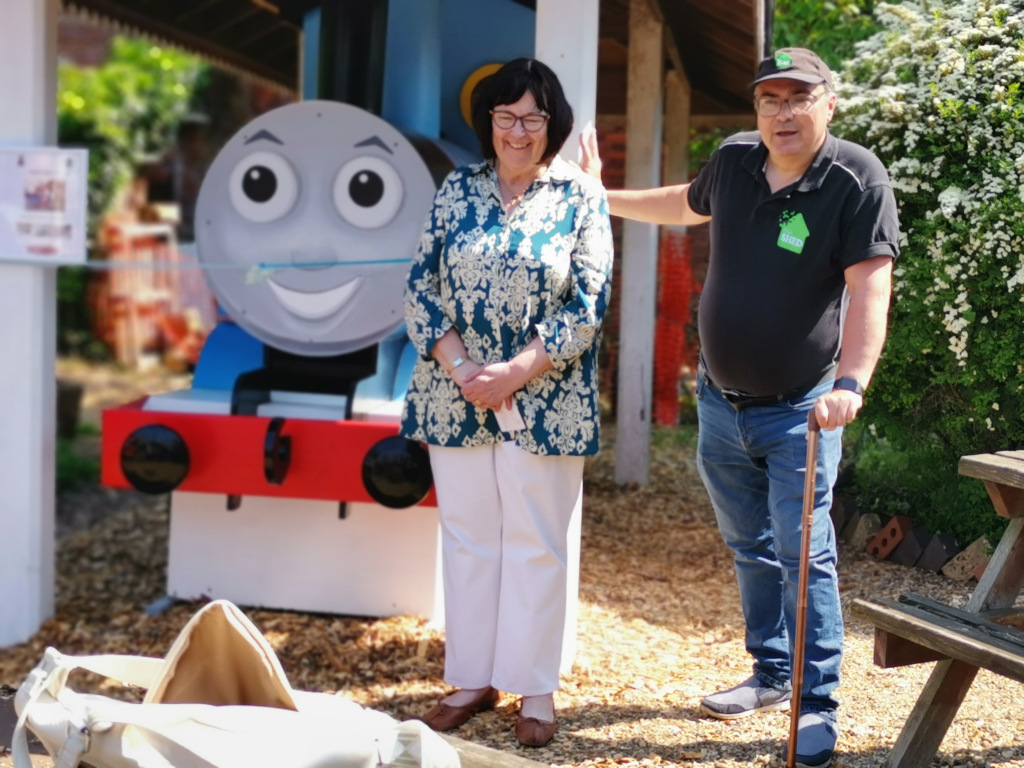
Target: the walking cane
pixel 806 523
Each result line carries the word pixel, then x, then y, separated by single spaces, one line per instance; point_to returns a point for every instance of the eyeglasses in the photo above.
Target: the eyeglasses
pixel 801 104
pixel 532 122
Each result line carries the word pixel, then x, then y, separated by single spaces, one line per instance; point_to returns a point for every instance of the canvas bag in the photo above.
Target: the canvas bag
pixel 219 699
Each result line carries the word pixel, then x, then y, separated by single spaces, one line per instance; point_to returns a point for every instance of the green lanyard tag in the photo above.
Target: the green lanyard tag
pixel 793 232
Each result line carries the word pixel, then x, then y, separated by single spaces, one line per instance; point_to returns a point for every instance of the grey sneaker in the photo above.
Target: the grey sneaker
pixel 747 698
pixel 816 736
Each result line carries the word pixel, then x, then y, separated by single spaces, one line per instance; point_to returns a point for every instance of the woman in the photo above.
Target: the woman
pixel 504 305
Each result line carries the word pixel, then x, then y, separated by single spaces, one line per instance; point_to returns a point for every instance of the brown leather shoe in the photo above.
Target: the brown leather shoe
pixel 444 717
pixel 532 732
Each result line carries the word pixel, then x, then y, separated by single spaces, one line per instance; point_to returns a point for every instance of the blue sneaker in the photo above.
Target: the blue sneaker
pixel 747 698
pixel 816 735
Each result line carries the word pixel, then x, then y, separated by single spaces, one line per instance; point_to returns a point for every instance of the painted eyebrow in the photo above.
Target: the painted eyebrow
pixel 264 135
pixel 375 141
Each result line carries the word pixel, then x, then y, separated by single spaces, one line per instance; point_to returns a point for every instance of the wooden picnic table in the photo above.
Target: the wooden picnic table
pixel 915 630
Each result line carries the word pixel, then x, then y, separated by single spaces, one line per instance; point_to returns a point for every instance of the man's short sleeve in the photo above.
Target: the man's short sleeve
pixel 699 193
pixel 873 228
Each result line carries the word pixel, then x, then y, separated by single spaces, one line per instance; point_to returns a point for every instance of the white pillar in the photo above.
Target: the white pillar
pixel 566 40
pixel 638 292
pixel 28 53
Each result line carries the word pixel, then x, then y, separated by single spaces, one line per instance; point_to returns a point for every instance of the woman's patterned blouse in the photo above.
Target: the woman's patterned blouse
pixel 501 281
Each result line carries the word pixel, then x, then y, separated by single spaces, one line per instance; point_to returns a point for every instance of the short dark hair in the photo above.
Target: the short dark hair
pixel 507 86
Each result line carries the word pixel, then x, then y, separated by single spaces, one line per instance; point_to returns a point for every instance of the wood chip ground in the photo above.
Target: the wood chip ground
pixel 659 627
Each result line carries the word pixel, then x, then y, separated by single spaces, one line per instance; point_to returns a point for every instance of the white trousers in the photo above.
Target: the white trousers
pixel 505 516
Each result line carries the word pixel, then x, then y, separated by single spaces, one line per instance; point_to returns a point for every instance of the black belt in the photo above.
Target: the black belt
pixel 740 400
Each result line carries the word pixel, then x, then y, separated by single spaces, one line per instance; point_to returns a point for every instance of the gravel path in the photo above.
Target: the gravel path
pixel 660 627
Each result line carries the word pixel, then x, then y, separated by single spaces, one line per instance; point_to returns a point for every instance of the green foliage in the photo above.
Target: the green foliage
pixel 918 479
pixel 125 111
pixel 675 437
pixel 936 96
pixel 74 469
pixel 704 143
pixel 830 28
pixel 74 334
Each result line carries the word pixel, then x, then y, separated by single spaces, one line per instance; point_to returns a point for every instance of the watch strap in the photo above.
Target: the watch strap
pixel 848 383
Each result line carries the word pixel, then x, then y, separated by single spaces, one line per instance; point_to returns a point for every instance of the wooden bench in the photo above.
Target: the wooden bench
pixel 916 629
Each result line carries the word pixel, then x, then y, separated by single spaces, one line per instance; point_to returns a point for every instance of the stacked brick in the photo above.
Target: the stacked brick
pixel 899 541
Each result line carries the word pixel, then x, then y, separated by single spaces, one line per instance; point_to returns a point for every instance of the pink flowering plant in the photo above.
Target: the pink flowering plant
pixel 936 95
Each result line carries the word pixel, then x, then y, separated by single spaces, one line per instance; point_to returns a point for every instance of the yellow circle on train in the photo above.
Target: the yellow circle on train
pixel 467 89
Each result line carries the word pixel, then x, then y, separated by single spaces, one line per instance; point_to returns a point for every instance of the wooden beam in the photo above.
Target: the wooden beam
pixel 191 39
pixel 761 46
pixel 1008 502
pixel 639 247
pixel 478 756
pixel 945 637
pixel 1006 468
pixel 891 650
pixel 677 128
pixel 672 53
pixel 932 715
pixel 999 586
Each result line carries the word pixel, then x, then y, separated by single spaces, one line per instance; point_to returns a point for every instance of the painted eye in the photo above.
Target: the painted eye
pixel 263 187
pixel 368 192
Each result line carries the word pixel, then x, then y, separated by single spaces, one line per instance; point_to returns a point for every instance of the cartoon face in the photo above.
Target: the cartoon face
pixel 306 223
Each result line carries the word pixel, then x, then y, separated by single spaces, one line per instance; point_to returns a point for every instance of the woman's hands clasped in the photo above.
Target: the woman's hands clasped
pixel 488 386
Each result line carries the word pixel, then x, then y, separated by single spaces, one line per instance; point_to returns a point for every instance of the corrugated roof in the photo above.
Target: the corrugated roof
pixel 251 36
pixel 719 41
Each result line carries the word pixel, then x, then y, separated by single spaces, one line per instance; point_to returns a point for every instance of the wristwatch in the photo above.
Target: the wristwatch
pixel 456 363
pixel 848 383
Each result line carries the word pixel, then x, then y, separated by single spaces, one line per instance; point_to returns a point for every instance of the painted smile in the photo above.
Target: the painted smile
pixel 314 306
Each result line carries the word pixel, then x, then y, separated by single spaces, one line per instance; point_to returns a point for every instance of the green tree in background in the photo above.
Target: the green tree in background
pixel 124 112
pixel 831 28
pixel 937 97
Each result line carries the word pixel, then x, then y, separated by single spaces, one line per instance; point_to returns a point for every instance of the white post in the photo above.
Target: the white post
pixel 28 52
pixel 638 293
pixel 566 40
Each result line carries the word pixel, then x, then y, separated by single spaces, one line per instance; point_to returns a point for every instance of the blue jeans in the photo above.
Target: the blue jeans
pixel 752 463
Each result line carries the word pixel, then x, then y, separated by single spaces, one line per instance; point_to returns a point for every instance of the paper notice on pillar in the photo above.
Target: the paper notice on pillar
pixel 43 205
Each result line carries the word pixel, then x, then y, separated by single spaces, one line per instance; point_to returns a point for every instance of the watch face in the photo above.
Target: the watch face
pixel 849 383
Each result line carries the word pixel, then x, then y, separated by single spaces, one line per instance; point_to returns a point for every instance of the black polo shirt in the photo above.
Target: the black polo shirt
pixel 773 302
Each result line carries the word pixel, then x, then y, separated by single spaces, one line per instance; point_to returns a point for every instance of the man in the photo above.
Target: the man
pixel 792 318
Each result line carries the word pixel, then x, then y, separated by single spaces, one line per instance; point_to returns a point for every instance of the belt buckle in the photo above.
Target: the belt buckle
pixel 736 399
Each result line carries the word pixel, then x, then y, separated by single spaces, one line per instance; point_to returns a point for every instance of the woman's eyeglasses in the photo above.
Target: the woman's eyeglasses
pixel 506 120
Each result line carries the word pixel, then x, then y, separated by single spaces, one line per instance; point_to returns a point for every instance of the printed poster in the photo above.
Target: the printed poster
pixel 43 205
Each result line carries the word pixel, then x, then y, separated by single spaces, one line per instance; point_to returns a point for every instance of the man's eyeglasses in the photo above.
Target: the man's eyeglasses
pixel 801 104
pixel 506 120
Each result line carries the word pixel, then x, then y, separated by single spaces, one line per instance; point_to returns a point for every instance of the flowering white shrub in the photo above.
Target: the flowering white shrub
pixel 936 95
